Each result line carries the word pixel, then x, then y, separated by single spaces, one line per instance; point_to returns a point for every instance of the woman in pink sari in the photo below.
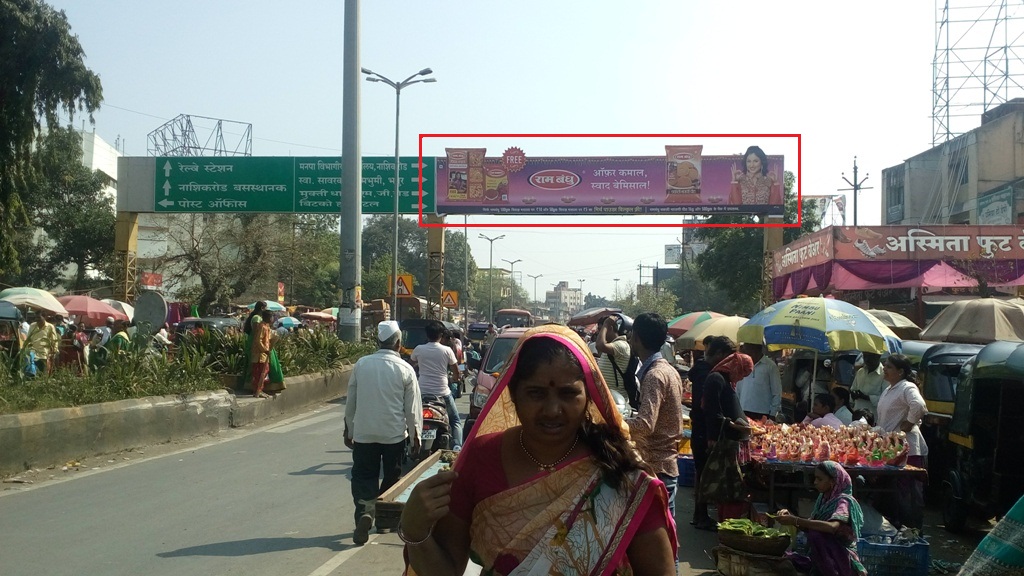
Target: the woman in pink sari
pixel 548 481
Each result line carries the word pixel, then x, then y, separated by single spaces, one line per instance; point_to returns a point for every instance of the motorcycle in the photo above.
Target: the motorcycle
pixel 436 434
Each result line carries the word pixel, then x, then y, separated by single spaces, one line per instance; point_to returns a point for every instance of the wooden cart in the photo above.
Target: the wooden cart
pixel 388 509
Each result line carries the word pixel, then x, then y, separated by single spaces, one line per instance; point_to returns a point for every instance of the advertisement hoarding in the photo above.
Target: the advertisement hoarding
pixel 997 207
pixel 683 181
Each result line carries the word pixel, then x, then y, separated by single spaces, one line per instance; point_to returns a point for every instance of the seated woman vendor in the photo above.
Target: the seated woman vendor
pixel 834 526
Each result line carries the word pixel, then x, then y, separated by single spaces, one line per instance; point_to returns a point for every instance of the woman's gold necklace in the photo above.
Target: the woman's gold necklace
pixel 547 467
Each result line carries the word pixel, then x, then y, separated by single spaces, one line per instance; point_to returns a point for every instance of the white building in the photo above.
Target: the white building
pixel 563 301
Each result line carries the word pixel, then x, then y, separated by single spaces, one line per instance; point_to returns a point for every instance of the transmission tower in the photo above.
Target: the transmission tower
pixel 178 137
pixel 978 63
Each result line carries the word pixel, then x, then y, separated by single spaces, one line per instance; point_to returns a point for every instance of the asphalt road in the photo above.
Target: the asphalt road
pixel 267 500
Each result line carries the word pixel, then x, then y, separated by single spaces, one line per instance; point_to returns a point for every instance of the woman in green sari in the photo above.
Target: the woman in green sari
pixel 276 377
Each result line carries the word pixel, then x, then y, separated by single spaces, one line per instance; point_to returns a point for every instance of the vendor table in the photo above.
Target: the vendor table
pixel 780 475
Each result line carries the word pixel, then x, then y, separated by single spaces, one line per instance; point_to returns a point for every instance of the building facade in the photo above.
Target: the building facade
pixel 563 301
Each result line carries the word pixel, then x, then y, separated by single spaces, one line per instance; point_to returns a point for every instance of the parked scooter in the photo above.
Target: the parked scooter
pixel 436 434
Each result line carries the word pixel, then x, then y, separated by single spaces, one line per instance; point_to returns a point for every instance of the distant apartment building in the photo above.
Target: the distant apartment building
pixel 976 178
pixel 563 301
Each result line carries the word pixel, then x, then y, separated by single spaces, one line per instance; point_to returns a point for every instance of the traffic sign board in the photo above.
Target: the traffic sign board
pixel 449 299
pixel 404 285
pixel 305 185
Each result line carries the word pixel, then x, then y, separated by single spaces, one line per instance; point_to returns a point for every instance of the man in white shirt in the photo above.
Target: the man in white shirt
pixel 760 393
pixel 867 384
pixel 383 408
pixel 103 333
pixel 613 346
pixel 435 363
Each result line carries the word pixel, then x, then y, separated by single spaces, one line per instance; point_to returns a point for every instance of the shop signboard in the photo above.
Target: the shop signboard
pixel 810 250
pixel 304 185
pixel 683 181
pixel 883 243
pixel 996 207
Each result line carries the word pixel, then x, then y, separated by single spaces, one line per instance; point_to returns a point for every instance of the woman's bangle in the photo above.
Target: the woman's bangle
pixel 402 536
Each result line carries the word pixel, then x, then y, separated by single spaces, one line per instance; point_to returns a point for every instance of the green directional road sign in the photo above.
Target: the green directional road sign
pixel 308 185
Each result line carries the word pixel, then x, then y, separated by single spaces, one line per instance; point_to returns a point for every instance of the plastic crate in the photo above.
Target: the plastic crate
pixel 687 473
pixel 894 559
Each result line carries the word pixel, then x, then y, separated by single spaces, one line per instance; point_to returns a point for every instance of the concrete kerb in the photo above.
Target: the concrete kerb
pixel 52 437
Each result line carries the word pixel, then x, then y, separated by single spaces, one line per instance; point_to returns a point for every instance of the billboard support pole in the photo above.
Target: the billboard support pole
pixel 349 309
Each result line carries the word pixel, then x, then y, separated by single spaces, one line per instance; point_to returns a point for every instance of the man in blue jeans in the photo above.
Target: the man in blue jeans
pixel 435 362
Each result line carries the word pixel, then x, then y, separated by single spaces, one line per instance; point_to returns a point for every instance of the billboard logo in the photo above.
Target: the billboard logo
pixel 555 179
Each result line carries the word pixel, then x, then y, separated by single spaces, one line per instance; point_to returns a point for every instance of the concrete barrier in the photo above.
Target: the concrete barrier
pixel 52 437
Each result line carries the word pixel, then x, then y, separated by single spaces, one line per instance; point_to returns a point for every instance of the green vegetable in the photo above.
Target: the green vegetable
pixel 748 528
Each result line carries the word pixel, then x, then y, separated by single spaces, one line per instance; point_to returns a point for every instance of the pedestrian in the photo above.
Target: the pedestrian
pixel 999 553
pixel 657 428
pixel 44 342
pixel 103 333
pixel 382 410
pixel 549 481
pixel 868 383
pixel 613 346
pixel 760 393
pixel 437 364
pixel 842 398
pixel 901 408
pixel 698 425
pixel 728 434
pixel 259 354
pixel 119 341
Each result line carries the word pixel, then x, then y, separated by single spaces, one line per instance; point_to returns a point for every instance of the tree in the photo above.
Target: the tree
pixel 734 255
pixel 692 293
pixel 308 258
pixel 593 301
pixel 650 300
pixel 44 74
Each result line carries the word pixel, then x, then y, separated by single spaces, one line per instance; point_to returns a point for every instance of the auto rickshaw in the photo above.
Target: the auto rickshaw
pixel 987 433
pixel 938 374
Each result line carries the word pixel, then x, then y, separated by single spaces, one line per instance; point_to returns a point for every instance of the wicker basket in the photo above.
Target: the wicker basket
pixel 754 544
pixel 731 562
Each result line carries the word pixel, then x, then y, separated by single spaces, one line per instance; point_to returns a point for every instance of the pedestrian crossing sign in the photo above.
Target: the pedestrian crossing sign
pixel 449 299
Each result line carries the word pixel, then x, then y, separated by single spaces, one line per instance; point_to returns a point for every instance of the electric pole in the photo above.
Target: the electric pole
pixel 856 187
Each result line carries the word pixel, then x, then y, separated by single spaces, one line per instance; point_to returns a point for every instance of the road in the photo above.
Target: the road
pixel 267 500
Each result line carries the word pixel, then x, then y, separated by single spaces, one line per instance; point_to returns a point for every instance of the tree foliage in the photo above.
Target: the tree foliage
pixel 44 74
pixel 649 300
pixel 734 255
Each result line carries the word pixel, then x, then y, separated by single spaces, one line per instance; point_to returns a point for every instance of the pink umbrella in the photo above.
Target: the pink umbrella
pixel 90 310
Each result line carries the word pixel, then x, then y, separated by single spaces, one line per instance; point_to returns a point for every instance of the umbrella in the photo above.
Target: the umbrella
pixel 693 339
pixel 903 327
pixel 271 305
pixel 9 311
pixel 33 298
pixel 288 322
pixel 332 311
pixel 90 310
pixel 592 315
pixel 825 325
pixel 123 307
pixel 680 324
pixel 321 316
pixel 979 321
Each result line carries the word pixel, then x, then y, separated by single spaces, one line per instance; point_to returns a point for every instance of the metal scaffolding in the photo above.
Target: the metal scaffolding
pixel 977 64
pixel 178 137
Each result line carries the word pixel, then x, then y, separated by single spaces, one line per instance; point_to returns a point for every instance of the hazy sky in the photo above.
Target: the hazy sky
pixel 854 79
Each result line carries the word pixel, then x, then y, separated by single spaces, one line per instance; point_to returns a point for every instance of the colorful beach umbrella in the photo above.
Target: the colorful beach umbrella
pixel 33 298
pixel 822 324
pixel 693 339
pixel 331 311
pixel 680 324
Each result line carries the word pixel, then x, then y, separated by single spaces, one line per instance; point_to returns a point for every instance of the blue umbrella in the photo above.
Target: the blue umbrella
pixel 288 322
pixel 825 325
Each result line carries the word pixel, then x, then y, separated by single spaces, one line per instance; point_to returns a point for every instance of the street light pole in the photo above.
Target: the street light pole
pixel 512 277
pixel 535 286
pixel 372 76
pixel 490 277
pixel 582 303
pixel 616 288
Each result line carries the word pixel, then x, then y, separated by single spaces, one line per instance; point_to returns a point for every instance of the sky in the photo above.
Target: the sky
pixel 852 78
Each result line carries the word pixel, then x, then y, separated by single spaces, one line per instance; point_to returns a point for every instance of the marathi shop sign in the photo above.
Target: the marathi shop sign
pixel 683 181
pixel 929 243
pixel 810 250
pixel 308 185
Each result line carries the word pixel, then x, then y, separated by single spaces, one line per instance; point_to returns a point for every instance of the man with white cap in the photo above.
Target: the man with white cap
pixel 103 333
pixel 383 408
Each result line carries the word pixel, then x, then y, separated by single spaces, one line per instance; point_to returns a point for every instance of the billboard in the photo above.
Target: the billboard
pixel 929 243
pixel 683 181
pixel 996 207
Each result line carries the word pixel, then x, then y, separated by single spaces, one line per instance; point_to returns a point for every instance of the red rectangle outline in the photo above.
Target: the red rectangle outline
pixel 799 195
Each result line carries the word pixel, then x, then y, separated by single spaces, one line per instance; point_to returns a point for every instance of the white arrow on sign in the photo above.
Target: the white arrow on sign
pixel 166 203
pixel 418 179
pixel 167 187
pixel 167 169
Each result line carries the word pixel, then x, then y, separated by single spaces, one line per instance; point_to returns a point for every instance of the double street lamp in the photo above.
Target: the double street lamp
pixel 535 286
pixel 372 76
pixel 582 303
pixel 512 276
pixel 490 277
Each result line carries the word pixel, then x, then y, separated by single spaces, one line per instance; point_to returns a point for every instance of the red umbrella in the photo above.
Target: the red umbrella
pixel 90 310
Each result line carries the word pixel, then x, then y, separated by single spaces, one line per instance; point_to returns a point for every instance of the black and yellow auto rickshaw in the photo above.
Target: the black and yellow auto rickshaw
pixel 938 374
pixel 987 432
